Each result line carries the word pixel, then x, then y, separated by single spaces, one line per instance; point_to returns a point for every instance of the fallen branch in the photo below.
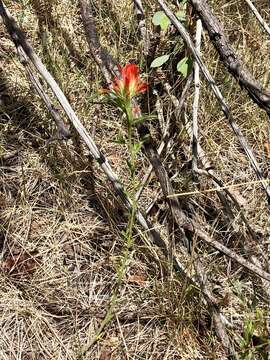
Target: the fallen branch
pixel 229 57
pixel 101 56
pixel 185 35
pixel 62 131
pixel 194 131
pixel 165 136
pixel 230 253
pixel 161 148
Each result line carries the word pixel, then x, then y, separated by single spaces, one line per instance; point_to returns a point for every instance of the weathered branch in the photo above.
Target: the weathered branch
pixel 245 146
pixel 229 57
pixel 105 61
pixel 165 135
pixel 62 130
pixel 230 253
pixel 162 146
pixel 208 169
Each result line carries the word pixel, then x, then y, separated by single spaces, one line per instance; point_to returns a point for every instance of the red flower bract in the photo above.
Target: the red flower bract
pixel 130 83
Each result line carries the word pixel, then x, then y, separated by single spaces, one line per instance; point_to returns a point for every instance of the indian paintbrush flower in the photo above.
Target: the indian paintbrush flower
pixel 121 93
pixel 128 84
pixel 131 83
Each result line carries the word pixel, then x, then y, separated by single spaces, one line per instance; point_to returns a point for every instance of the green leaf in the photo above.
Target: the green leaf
pixel 182 12
pixel 161 19
pixel 159 61
pixel 137 147
pixel 130 166
pixel 248 330
pixel 184 66
pixel 181 15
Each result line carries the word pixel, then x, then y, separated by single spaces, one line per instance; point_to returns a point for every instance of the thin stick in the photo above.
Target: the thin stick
pixel 215 189
pixel 195 131
pixel 185 35
pixel 164 144
pixel 258 16
pixel 218 318
pixel 142 26
pixel 160 149
pixel 62 130
pixel 194 128
pixel 105 61
pixel 230 253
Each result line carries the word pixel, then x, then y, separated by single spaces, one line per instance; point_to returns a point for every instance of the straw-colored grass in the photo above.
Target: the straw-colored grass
pixel 60 224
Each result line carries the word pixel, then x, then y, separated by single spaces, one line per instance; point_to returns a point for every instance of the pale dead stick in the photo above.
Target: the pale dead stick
pixel 218 188
pixel 185 35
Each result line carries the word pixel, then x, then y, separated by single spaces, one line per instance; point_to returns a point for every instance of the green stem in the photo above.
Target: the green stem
pixel 130 143
pixel 128 236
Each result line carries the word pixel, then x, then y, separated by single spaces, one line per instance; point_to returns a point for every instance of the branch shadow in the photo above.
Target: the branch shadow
pixel 44 11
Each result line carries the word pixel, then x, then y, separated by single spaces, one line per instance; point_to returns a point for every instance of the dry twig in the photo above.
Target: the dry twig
pixel 105 61
pixel 142 26
pixel 229 57
pixel 208 166
pixel 62 131
pixel 258 16
pixel 195 131
pixel 249 153
pixel 164 143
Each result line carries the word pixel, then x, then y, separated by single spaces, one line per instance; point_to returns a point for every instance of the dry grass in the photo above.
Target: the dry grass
pixel 60 229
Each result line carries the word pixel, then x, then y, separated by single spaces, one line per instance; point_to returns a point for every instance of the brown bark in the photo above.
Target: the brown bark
pixel 229 57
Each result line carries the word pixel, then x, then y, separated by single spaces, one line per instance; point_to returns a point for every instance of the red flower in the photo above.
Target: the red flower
pixel 130 83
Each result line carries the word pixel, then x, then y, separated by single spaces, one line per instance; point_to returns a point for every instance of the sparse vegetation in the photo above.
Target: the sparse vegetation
pixel 81 277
